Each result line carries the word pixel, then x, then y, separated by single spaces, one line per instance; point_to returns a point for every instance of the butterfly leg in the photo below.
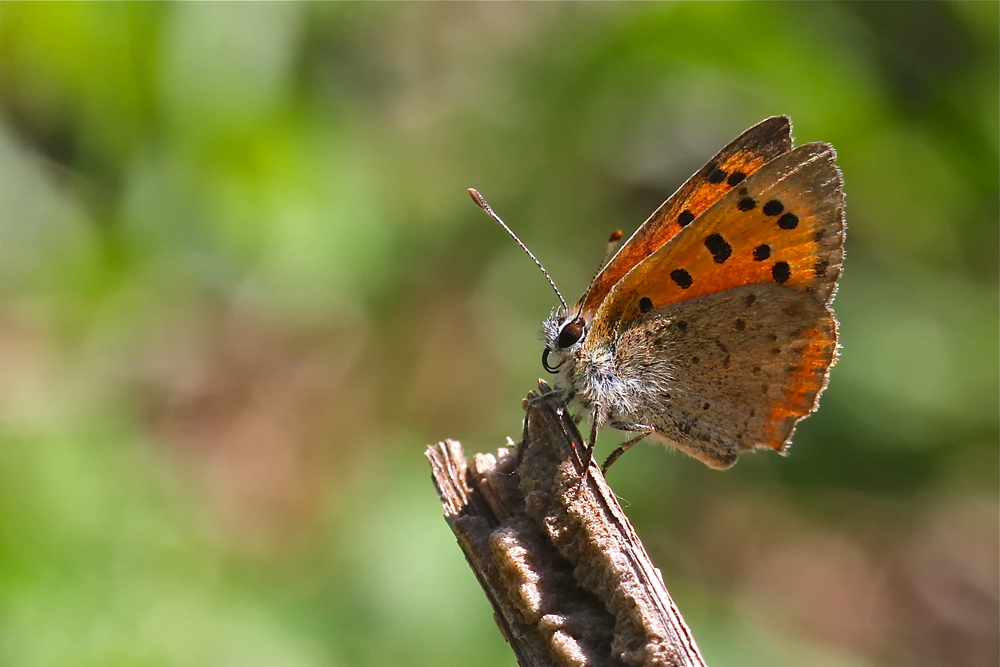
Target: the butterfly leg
pixel 546 394
pixel 643 429
pixel 592 442
pixel 549 394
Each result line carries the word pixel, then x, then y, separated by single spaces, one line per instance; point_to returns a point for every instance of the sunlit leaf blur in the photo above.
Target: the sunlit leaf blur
pixel 242 286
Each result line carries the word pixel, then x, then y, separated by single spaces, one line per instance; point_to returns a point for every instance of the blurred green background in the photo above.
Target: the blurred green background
pixel 242 286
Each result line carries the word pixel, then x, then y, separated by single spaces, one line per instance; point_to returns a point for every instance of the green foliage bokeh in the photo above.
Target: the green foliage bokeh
pixel 241 286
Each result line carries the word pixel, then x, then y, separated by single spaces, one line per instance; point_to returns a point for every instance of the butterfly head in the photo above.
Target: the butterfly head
pixel 564 331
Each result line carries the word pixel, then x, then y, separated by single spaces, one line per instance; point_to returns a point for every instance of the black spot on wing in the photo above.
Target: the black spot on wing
pixel 645 304
pixel 746 204
pixel 716 175
pixel 719 248
pixel 735 178
pixel 773 207
pixel 761 252
pixel 682 278
pixel 685 218
pixel 781 272
pixel 788 221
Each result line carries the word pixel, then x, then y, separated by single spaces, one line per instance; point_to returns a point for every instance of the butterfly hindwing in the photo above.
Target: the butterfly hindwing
pixel 734 163
pixel 732 370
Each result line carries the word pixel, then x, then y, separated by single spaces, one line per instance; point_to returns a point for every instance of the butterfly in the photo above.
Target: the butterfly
pixel 711 328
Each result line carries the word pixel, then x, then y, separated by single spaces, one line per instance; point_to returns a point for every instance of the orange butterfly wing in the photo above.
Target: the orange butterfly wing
pixel 784 224
pixel 734 163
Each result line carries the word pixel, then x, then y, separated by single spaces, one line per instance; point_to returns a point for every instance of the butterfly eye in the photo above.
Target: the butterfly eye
pixel 570 334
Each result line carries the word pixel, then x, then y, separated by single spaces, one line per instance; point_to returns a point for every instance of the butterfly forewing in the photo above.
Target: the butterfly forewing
pixel 782 225
pixel 734 163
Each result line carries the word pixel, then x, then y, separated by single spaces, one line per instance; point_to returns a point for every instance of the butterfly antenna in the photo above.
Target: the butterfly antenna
pixel 478 198
pixel 613 240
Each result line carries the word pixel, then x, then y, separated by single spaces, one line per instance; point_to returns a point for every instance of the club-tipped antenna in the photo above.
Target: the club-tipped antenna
pixel 613 240
pixel 478 198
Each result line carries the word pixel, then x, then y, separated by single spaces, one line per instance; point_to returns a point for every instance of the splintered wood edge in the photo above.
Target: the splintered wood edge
pixel 474 523
pixel 569 580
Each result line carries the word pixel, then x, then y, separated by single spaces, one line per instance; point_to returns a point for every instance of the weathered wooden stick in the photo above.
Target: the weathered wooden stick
pixel 569 580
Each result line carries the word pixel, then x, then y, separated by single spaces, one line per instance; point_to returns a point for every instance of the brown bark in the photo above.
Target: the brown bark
pixel 569 580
